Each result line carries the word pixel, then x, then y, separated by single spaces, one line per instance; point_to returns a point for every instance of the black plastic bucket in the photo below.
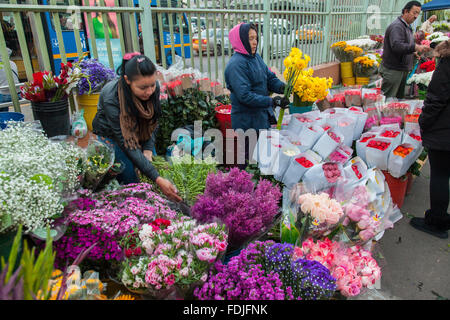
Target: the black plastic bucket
pixel 54 117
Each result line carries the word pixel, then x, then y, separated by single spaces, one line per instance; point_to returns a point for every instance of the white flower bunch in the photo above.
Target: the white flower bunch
pixel 26 152
pixel 365 44
pixel 440 39
pixel 435 35
pixel 421 78
pixel 27 202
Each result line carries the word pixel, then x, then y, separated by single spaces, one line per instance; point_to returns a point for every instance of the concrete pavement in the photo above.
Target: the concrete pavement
pixel 415 265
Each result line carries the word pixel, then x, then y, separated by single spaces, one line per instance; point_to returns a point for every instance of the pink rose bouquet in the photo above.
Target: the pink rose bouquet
pixel 321 214
pixel 353 267
pixel 168 255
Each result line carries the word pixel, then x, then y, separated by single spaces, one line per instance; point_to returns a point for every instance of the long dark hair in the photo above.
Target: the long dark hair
pixel 138 65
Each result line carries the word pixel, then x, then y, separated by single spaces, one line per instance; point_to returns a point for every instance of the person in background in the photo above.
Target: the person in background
pixel 398 51
pixel 427 26
pixel 435 130
pixel 127 119
pixel 249 80
pixel 5 94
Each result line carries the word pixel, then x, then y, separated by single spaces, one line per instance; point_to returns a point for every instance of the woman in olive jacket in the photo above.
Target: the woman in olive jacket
pixel 435 129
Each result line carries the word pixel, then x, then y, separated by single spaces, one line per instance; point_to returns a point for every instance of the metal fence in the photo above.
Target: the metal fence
pixel 195 30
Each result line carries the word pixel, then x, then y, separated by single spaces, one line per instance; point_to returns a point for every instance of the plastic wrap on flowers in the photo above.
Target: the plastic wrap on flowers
pixel 328 142
pixel 99 159
pixel 320 215
pixel 322 176
pixel 169 257
pixel 401 159
pixel 284 160
pixel 354 268
pixel 298 166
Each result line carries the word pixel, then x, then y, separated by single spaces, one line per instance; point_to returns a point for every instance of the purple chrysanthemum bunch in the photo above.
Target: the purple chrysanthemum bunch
pixel 98 75
pixel 105 218
pixel 233 199
pixel 267 271
pixel 243 278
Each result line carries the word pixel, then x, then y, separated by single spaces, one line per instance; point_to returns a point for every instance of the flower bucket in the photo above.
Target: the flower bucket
pixel 299 106
pixel 224 119
pixel 346 70
pixel 363 81
pixel 89 103
pixel 351 81
pixel 397 186
pixel 410 183
pixel 54 117
pixel 228 255
pixel 7 116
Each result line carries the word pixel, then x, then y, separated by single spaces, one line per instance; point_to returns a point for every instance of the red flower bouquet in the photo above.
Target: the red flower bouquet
pixel 428 66
pixel 47 87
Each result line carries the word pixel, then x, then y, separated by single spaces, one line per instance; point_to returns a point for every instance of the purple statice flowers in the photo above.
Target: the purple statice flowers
pixel 105 218
pixel 98 76
pixel 233 199
pixel 266 271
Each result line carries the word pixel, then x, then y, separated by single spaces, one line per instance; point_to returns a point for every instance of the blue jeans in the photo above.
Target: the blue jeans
pixel 128 175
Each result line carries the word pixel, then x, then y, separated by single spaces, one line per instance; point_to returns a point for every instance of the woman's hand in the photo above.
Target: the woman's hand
pixel 168 189
pixel 149 155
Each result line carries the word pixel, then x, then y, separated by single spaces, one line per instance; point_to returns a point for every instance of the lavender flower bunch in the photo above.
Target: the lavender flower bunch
pixel 233 199
pixel 97 76
pixel 243 278
pixel 308 280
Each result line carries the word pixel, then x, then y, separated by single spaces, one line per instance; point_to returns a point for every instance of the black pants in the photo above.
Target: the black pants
pixel 439 188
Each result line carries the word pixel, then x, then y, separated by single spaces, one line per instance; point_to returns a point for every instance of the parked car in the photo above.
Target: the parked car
pixel 209 34
pixel 309 32
pixel 280 39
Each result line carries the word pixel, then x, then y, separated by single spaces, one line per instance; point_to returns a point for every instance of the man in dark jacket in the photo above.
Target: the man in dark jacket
pixel 435 130
pixel 398 51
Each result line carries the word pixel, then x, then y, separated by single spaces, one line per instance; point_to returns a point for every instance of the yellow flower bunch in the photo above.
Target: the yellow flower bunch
pixel 340 44
pixel 344 52
pixel 311 89
pixel 364 66
pixel 296 60
pixel 364 61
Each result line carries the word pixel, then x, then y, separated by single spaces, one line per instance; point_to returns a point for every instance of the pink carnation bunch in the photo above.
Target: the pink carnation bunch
pixel 168 254
pixel 353 267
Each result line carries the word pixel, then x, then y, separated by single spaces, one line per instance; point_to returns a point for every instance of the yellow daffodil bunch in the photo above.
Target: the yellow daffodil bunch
pixel 311 89
pixel 306 87
pixel 364 66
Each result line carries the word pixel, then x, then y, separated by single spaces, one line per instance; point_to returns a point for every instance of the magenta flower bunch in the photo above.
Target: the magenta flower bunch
pixel 233 199
pixel 244 278
pixel 105 218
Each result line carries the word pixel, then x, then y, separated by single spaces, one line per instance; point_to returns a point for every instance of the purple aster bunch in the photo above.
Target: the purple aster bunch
pixel 308 280
pixel 105 218
pixel 243 278
pixel 233 199
pixel 97 76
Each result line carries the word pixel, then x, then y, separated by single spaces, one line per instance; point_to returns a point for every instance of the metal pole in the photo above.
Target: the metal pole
pixel 147 30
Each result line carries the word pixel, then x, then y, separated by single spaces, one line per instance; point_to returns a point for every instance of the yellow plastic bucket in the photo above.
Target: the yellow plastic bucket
pixel 346 70
pixel 89 103
pixel 349 81
pixel 362 81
